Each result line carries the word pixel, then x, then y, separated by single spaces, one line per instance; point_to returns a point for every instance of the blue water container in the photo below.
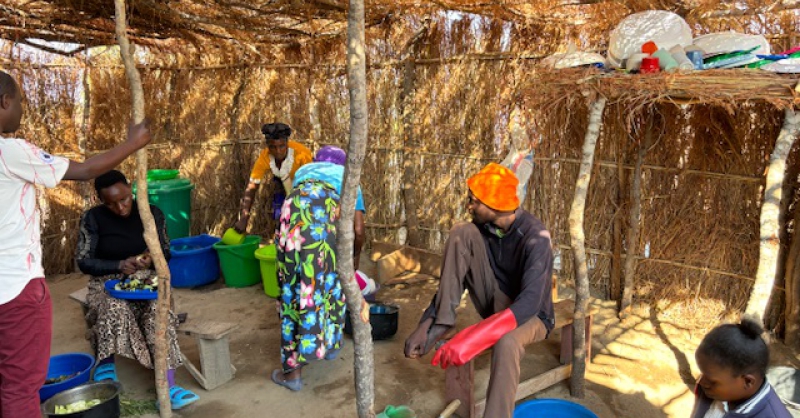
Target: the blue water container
pixel 194 261
pixel 552 408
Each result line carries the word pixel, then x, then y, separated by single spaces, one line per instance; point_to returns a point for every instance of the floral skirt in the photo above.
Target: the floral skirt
pixel 312 305
pixel 127 327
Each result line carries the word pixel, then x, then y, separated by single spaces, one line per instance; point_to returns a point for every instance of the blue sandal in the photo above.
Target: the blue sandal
pixel 180 397
pixel 293 385
pixel 107 371
pixel 332 354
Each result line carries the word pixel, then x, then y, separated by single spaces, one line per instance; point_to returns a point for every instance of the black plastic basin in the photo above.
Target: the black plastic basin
pixel 382 317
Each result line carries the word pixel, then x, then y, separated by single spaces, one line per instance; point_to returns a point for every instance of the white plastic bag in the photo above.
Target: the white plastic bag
pixel 572 59
pixel 520 156
pixel 724 42
pixel 665 28
pixel 788 66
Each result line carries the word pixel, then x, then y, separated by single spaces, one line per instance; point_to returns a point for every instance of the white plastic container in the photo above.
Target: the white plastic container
pixel 665 28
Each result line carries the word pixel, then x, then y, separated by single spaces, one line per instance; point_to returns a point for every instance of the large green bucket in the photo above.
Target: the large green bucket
pixel 174 198
pixel 269 273
pixel 238 262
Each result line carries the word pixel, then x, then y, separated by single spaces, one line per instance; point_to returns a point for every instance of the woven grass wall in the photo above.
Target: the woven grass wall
pixel 701 182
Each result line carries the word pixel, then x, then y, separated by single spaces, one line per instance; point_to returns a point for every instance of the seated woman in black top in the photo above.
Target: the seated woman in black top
pixel 111 246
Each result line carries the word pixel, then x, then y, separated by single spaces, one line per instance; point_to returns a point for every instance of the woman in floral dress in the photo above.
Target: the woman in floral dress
pixel 312 304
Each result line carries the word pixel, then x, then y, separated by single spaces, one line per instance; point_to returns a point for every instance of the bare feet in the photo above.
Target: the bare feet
pixel 422 340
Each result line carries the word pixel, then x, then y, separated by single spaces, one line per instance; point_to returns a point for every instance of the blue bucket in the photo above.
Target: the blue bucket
pixel 552 408
pixel 77 364
pixel 194 261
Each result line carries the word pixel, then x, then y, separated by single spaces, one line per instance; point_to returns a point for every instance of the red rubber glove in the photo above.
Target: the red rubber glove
pixel 472 340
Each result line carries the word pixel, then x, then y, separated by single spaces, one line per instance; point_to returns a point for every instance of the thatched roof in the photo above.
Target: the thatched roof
pixel 256 27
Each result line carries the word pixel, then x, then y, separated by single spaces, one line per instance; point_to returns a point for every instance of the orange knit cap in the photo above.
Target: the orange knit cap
pixel 496 187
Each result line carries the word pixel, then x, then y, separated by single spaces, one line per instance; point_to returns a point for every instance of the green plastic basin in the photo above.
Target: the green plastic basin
pixel 238 262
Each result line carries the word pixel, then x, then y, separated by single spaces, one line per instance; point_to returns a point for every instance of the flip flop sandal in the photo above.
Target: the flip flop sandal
pixel 180 397
pixel 106 371
pixel 293 385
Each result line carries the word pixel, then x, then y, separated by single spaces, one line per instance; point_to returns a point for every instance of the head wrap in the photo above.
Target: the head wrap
pixel 276 131
pixel 331 154
pixel 496 187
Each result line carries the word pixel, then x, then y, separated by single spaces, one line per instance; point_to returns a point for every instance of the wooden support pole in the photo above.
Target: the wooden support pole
pixel 768 249
pixel 411 144
pixel 363 361
pixel 792 293
pixel 459 385
pixel 616 261
pixel 143 203
pixel 578 240
pixel 85 123
pixel 779 305
pixel 634 221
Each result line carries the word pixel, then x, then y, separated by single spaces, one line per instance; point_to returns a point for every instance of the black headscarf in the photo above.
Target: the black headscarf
pixel 276 131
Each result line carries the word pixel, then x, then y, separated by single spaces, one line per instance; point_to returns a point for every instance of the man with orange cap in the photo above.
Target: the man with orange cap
pixel 503 257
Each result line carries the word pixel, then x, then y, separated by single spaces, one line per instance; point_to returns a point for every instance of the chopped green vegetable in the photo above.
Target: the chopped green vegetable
pixel 137 407
pixel 133 285
pixel 60 379
pixel 76 407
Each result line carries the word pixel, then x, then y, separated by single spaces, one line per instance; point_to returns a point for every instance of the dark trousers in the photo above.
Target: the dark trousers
pixel 466 267
pixel 26 325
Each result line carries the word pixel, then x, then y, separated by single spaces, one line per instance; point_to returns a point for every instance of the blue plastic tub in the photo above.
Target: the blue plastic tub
pixel 552 408
pixel 65 365
pixel 194 261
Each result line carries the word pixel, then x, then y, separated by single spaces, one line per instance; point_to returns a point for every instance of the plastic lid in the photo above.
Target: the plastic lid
pixel 162 174
pixel 649 47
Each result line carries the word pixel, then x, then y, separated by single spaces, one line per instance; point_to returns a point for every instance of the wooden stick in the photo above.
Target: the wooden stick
pixel 451 408
pixel 768 249
pixel 634 220
pixel 578 240
pixel 363 361
pixel 150 233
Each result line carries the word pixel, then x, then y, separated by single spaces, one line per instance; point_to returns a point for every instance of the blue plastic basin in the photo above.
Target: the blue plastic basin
pixel 65 365
pixel 552 408
pixel 194 261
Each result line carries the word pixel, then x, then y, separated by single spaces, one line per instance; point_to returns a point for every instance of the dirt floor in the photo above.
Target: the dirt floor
pixel 643 367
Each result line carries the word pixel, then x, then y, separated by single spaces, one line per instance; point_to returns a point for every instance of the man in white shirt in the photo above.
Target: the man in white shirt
pixel 25 308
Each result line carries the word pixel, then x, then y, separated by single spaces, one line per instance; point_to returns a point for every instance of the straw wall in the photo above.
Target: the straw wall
pixel 701 184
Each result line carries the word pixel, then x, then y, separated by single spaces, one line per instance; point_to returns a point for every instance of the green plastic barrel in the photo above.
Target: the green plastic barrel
pixel 174 198
pixel 238 262
pixel 269 272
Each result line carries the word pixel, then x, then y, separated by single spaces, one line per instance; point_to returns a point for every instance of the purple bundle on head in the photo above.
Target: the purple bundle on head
pixel 331 154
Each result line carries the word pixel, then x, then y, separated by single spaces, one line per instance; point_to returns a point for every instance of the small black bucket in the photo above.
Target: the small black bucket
pixel 106 391
pixel 382 317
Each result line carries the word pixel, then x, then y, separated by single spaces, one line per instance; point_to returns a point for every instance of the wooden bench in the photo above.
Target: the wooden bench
pixel 460 381
pixel 212 343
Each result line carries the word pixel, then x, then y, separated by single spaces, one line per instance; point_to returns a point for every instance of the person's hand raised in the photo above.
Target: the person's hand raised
pixel 139 134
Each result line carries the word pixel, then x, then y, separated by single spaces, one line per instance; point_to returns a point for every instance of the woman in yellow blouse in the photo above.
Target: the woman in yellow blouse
pixel 281 159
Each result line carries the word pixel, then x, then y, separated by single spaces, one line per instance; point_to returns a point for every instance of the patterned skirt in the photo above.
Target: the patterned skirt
pixel 127 327
pixel 312 304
